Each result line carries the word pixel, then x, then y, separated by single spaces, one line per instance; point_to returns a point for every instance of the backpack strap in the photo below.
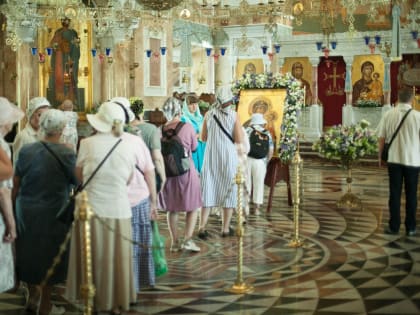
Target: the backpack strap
pixel 176 129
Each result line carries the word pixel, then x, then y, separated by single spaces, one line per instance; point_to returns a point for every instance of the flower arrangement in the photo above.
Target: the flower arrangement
pixel 292 105
pixel 367 103
pixel 347 143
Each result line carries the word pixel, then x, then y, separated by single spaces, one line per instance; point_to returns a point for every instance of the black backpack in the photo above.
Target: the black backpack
pixel 259 143
pixel 175 156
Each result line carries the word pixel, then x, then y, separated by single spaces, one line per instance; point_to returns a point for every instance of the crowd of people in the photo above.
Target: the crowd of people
pixel 126 176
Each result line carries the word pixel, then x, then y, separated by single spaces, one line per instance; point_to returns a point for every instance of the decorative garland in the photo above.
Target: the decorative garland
pixel 292 105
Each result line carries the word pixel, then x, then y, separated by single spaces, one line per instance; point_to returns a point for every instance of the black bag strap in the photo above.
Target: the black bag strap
pixel 176 129
pixel 223 128
pixel 399 126
pixel 99 165
pixel 81 187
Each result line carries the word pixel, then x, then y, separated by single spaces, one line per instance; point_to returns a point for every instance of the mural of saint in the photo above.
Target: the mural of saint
pixel 250 68
pixel 297 73
pixel 64 64
pixel 369 87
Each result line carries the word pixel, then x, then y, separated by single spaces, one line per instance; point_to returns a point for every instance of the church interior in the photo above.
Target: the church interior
pixel 306 255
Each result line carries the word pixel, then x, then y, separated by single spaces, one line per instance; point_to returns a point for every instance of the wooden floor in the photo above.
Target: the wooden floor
pixel 347 265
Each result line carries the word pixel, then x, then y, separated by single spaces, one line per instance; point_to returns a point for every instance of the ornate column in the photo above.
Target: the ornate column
pixel 348 88
pixel 27 72
pixel 387 84
pixel 314 62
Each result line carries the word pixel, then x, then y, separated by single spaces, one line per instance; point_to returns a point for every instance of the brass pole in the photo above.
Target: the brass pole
pixel 240 287
pixel 297 163
pixel 84 215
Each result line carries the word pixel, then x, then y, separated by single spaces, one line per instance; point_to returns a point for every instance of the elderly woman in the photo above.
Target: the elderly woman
pixel 181 193
pixel 44 176
pixel 29 134
pixel 221 130
pixel 191 114
pixel 115 158
pixel 9 115
pixel 142 195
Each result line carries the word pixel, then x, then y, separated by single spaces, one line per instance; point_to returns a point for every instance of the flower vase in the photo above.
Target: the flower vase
pixel 349 200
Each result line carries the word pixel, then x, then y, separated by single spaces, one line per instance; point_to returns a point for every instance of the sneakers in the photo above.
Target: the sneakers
pixel 389 231
pixel 190 245
pixel 175 247
pixel 411 232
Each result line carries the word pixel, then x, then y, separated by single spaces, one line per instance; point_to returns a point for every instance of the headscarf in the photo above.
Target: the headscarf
pixel 52 121
pixel 171 108
pixel 224 97
pixel 195 119
pixel 10 113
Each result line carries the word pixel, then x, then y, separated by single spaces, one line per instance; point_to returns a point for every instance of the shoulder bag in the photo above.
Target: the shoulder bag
pixel 385 150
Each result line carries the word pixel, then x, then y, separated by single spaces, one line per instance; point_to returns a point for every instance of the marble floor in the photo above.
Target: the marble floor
pixel 346 264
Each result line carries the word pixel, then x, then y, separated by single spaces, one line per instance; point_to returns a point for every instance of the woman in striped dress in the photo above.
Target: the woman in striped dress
pixel 220 161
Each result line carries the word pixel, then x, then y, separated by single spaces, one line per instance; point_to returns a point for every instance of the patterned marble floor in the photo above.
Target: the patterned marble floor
pixel 347 265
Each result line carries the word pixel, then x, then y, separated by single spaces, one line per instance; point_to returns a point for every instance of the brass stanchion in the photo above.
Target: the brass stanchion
pixel 87 289
pixel 297 165
pixel 240 287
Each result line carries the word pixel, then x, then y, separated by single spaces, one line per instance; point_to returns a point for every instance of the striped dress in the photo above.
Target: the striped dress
pixel 220 161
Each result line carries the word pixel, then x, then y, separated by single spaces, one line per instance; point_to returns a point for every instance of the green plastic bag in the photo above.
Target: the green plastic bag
pixel 158 250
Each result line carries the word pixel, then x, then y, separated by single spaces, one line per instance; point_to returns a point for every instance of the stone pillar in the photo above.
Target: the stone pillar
pixel 223 70
pixel 27 77
pixel 314 62
pixel 387 84
pixel 348 87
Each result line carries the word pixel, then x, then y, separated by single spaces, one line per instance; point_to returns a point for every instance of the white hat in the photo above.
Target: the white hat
pixel 36 103
pixel 10 113
pixel 106 117
pixel 125 104
pixel 224 95
pixel 257 119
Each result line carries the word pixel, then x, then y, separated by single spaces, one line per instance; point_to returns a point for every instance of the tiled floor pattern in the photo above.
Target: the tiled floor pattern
pixel 347 265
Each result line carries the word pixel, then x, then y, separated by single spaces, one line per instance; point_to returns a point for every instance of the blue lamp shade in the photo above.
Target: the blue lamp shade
pixel 34 50
pixel 377 39
pixel 414 34
pixel 367 39
pixel 93 51
pixel 277 48
pixel 107 51
pixel 148 53
pixel 223 50
pixel 334 44
pixel 208 52
pixel 163 51
pixel 264 49
pixel 318 45
pixel 49 51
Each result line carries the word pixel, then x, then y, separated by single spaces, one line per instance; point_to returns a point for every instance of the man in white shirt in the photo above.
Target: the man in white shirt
pixel 403 160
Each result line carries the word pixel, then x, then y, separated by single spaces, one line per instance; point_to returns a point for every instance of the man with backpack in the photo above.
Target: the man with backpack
pixel 260 152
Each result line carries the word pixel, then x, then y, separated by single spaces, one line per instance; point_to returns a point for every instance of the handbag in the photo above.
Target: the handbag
pixel 66 212
pixel 385 150
pixel 158 251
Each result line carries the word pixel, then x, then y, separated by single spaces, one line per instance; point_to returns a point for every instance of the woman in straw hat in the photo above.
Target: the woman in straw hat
pixel 107 193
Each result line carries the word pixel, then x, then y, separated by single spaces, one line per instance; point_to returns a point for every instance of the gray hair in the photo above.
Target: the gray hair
pixel 52 122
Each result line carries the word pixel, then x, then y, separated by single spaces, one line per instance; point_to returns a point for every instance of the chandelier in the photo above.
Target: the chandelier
pixel 159 5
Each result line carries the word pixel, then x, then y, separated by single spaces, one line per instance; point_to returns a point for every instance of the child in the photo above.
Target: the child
pixel 69 136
